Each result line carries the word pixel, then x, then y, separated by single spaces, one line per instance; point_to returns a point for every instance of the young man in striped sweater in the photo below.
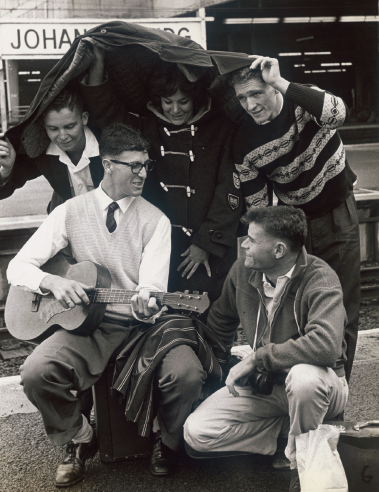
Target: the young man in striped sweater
pixel 288 141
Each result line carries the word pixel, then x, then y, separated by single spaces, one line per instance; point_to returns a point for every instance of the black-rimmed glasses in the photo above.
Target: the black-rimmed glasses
pixel 136 166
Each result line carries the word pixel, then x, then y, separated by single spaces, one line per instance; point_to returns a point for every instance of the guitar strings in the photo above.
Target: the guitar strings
pixel 119 295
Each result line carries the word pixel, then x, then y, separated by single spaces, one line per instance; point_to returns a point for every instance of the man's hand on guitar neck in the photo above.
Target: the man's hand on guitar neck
pixel 143 305
pixel 67 292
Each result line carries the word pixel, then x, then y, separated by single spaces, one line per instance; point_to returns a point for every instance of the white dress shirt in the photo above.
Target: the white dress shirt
pixel 24 270
pixel 79 174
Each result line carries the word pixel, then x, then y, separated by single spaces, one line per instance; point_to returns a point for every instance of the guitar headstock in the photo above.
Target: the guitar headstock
pixel 198 303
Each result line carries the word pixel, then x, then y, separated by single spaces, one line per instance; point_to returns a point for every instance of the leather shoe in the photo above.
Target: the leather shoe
pixel 295 481
pixel 71 470
pixel 163 459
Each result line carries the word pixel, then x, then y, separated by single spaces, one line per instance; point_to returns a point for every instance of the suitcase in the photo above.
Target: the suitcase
pixel 118 439
pixel 359 452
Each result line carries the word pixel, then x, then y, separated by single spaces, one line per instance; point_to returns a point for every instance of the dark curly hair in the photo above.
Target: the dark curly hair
pixel 168 78
pixel 118 137
pixel 283 222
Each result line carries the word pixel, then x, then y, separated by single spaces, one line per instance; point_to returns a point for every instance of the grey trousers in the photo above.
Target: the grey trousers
pixel 253 423
pixel 66 362
pixel 334 238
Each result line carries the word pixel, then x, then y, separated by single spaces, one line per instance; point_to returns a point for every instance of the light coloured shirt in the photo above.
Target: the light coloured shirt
pixel 24 270
pixel 272 298
pixel 280 110
pixel 79 174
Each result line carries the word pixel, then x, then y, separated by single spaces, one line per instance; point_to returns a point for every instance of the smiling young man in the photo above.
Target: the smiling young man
pixel 289 304
pixel 71 163
pixel 288 141
pixel 115 227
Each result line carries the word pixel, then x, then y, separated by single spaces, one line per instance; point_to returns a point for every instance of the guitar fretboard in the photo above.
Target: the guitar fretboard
pixel 119 296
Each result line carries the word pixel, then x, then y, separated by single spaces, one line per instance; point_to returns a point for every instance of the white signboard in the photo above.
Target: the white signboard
pixel 34 40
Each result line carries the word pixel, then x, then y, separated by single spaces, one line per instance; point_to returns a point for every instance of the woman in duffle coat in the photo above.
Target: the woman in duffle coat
pixel 193 181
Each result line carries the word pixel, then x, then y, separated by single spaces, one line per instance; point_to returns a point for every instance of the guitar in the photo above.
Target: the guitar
pixel 33 317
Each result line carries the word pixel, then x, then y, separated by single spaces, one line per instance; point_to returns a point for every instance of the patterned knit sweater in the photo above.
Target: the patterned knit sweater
pixel 300 152
pixel 121 251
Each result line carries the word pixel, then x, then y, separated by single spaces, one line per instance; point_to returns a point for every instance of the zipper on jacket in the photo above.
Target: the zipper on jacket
pixel 265 313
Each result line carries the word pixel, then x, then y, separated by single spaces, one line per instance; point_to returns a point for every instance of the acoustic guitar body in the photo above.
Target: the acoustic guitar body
pixel 31 317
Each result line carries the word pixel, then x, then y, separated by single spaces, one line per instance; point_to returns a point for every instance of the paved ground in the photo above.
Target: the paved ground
pixel 28 461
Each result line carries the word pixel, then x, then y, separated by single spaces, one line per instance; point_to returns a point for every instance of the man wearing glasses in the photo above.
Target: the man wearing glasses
pixel 115 227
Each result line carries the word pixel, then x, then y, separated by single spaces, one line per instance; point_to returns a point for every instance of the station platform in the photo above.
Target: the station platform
pixel 28 460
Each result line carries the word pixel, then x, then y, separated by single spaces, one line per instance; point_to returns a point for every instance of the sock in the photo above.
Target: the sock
pixel 84 434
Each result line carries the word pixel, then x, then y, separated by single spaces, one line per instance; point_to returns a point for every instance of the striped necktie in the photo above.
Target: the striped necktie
pixel 111 222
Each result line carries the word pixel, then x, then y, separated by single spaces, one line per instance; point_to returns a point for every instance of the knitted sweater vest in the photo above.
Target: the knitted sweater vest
pixel 121 251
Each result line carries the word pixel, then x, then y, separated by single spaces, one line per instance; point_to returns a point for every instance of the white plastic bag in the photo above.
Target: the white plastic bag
pixel 318 462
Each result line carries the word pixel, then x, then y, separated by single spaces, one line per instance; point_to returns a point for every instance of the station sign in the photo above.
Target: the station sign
pixel 36 39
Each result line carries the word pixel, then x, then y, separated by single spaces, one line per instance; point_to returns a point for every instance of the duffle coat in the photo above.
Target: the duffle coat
pixel 192 182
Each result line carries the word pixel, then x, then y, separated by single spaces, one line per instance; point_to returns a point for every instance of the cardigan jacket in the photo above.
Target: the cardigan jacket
pixel 308 326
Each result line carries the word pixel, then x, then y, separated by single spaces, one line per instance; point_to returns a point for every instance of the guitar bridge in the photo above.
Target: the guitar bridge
pixel 36 302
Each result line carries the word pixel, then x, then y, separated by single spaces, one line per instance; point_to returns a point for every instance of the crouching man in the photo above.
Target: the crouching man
pixel 114 227
pixel 290 307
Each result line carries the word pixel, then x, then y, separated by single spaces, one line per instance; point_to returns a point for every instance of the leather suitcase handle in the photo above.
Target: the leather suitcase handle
pixel 370 423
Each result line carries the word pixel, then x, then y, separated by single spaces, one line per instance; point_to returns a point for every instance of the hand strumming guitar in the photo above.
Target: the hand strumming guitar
pixel 67 292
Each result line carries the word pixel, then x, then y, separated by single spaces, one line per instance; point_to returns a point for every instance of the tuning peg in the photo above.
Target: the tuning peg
pixel 196 292
pixel 186 291
pixel 205 293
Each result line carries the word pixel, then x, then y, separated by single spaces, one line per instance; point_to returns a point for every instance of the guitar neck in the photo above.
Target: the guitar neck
pixel 179 300
pixel 120 296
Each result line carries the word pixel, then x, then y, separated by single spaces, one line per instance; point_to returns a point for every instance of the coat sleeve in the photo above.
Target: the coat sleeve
pixel 218 232
pixel 104 106
pixel 323 332
pixel 24 170
pixel 324 108
pixel 255 187
pixel 223 318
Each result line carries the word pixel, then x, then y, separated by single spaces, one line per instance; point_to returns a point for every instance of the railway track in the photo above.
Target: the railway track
pixel 370 282
pixel 369 290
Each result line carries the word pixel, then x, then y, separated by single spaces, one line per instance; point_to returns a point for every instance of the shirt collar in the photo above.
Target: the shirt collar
pixel 288 275
pixel 105 200
pixel 90 150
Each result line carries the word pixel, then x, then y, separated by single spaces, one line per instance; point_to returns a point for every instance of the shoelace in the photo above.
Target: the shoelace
pixel 71 452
